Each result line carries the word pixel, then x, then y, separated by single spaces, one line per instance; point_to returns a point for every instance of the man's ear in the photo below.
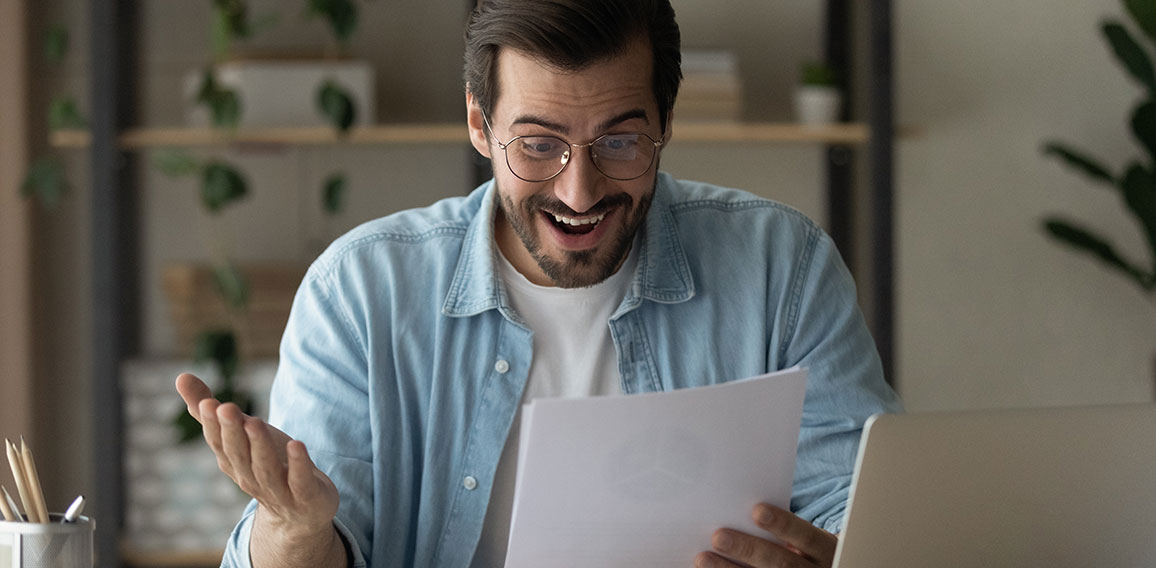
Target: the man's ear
pixel 477 125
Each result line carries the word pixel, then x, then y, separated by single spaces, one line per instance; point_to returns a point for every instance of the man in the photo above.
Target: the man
pixel 580 270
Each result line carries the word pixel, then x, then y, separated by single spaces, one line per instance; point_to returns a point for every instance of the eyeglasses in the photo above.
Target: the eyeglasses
pixel 621 157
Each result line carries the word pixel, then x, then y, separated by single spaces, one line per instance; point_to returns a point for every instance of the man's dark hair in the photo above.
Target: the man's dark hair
pixel 570 35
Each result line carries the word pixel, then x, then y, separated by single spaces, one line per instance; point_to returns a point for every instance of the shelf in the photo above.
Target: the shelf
pixel 451 133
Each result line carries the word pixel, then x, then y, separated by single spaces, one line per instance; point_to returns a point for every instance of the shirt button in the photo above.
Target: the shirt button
pixel 470 483
pixel 501 366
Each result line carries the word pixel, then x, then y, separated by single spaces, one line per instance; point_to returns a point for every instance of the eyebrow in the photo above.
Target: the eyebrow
pixel 605 125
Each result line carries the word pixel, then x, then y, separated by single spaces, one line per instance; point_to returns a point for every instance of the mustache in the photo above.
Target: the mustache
pixel 557 207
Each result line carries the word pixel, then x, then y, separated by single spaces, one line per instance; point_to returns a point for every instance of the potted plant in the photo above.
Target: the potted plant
pixel 318 88
pixel 1135 185
pixel 818 100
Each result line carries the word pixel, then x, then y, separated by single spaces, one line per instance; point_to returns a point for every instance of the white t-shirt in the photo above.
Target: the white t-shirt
pixel 573 357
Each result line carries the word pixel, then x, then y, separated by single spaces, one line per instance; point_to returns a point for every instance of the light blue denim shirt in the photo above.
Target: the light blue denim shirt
pixel 402 365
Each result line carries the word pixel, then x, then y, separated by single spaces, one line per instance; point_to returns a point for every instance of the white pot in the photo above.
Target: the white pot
pixel 817 106
pixel 283 93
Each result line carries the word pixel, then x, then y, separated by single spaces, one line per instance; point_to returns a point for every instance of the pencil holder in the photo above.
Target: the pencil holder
pixel 52 545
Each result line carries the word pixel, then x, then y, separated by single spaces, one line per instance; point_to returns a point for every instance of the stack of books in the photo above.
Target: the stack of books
pixel 196 306
pixel 712 89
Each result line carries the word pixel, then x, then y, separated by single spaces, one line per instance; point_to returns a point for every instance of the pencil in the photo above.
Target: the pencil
pixel 9 514
pixel 21 486
pixel 33 480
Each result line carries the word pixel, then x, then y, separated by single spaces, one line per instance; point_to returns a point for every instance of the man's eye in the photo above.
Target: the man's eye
pixel 619 147
pixel 540 146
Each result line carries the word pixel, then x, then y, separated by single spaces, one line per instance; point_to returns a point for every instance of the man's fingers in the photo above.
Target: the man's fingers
pixel 268 469
pixel 193 391
pixel 712 560
pixel 235 443
pixel 754 551
pixel 210 426
pixel 811 541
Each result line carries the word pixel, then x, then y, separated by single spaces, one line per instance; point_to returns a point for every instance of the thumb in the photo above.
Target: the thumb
pixel 193 391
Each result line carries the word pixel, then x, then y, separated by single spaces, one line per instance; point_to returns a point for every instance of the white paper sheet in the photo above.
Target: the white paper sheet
pixel 644 480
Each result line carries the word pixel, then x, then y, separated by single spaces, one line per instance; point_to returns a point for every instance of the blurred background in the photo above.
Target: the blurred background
pixel 154 221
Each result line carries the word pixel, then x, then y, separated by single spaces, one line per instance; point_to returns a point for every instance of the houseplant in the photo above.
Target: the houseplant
pixel 1136 183
pixel 817 98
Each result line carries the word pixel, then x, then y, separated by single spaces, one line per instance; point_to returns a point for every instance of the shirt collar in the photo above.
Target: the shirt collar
pixel 662 275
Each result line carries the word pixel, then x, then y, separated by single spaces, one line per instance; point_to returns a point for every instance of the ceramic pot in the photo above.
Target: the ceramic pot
pixel 817 106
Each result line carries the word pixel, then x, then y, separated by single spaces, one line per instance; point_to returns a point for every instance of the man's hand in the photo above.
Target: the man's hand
pixel 297 501
pixel 804 545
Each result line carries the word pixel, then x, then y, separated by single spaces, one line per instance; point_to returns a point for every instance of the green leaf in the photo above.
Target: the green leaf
pixel 224 105
pixel 333 193
pixel 226 109
pixel 56 43
pixel 1144 126
pixel 341 14
pixel 218 346
pixel 336 106
pixel 221 184
pixel 1139 187
pixel 230 23
pixel 175 163
pixel 1130 54
pixel 63 114
pixel 819 74
pixel 1144 14
pixel 45 182
pixel 1090 167
pixel 232 286
pixel 1082 239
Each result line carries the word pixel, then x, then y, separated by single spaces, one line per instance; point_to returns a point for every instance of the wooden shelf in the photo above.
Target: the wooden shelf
pixel 451 133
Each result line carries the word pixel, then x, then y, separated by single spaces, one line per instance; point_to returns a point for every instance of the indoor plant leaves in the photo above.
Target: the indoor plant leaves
pixel 221 184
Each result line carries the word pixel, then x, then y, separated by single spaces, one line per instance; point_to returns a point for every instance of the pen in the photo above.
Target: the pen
pixel 74 510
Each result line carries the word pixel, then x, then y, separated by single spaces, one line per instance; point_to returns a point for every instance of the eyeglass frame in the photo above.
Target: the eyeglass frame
pixel 567 154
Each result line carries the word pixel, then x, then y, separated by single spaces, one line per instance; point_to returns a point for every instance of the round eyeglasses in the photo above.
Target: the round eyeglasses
pixel 620 157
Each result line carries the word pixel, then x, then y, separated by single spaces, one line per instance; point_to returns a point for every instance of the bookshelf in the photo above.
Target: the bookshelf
pixel 113 142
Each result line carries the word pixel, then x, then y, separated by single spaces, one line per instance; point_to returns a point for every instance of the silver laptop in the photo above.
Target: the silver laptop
pixel 1044 487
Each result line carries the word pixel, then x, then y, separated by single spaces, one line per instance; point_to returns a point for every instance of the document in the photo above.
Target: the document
pixel 644 480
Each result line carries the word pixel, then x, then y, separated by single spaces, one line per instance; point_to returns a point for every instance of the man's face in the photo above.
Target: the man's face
pixel 615 97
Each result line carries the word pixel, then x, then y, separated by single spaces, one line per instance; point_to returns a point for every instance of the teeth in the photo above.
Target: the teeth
pixel 577 222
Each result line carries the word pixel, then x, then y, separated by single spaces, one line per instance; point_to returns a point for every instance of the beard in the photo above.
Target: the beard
pixel 577 269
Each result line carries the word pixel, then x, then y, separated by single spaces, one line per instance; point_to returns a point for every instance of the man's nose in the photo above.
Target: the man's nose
pixel 579 185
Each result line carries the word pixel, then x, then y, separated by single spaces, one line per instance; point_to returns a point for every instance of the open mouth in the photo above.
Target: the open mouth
pixel 575 225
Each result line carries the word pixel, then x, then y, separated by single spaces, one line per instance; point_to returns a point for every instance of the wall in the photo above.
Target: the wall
pixel 62 298
pixel 991 313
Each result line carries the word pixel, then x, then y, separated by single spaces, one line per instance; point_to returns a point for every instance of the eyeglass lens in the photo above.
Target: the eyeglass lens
pixel 618 156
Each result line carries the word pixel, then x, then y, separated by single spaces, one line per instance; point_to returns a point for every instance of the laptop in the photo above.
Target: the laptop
pixel 1052 487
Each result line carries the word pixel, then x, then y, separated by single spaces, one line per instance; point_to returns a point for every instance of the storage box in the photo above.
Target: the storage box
pixel 196 306
pixel 283 93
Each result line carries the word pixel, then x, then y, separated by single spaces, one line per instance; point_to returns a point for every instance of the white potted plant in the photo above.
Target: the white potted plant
pixel 817 98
